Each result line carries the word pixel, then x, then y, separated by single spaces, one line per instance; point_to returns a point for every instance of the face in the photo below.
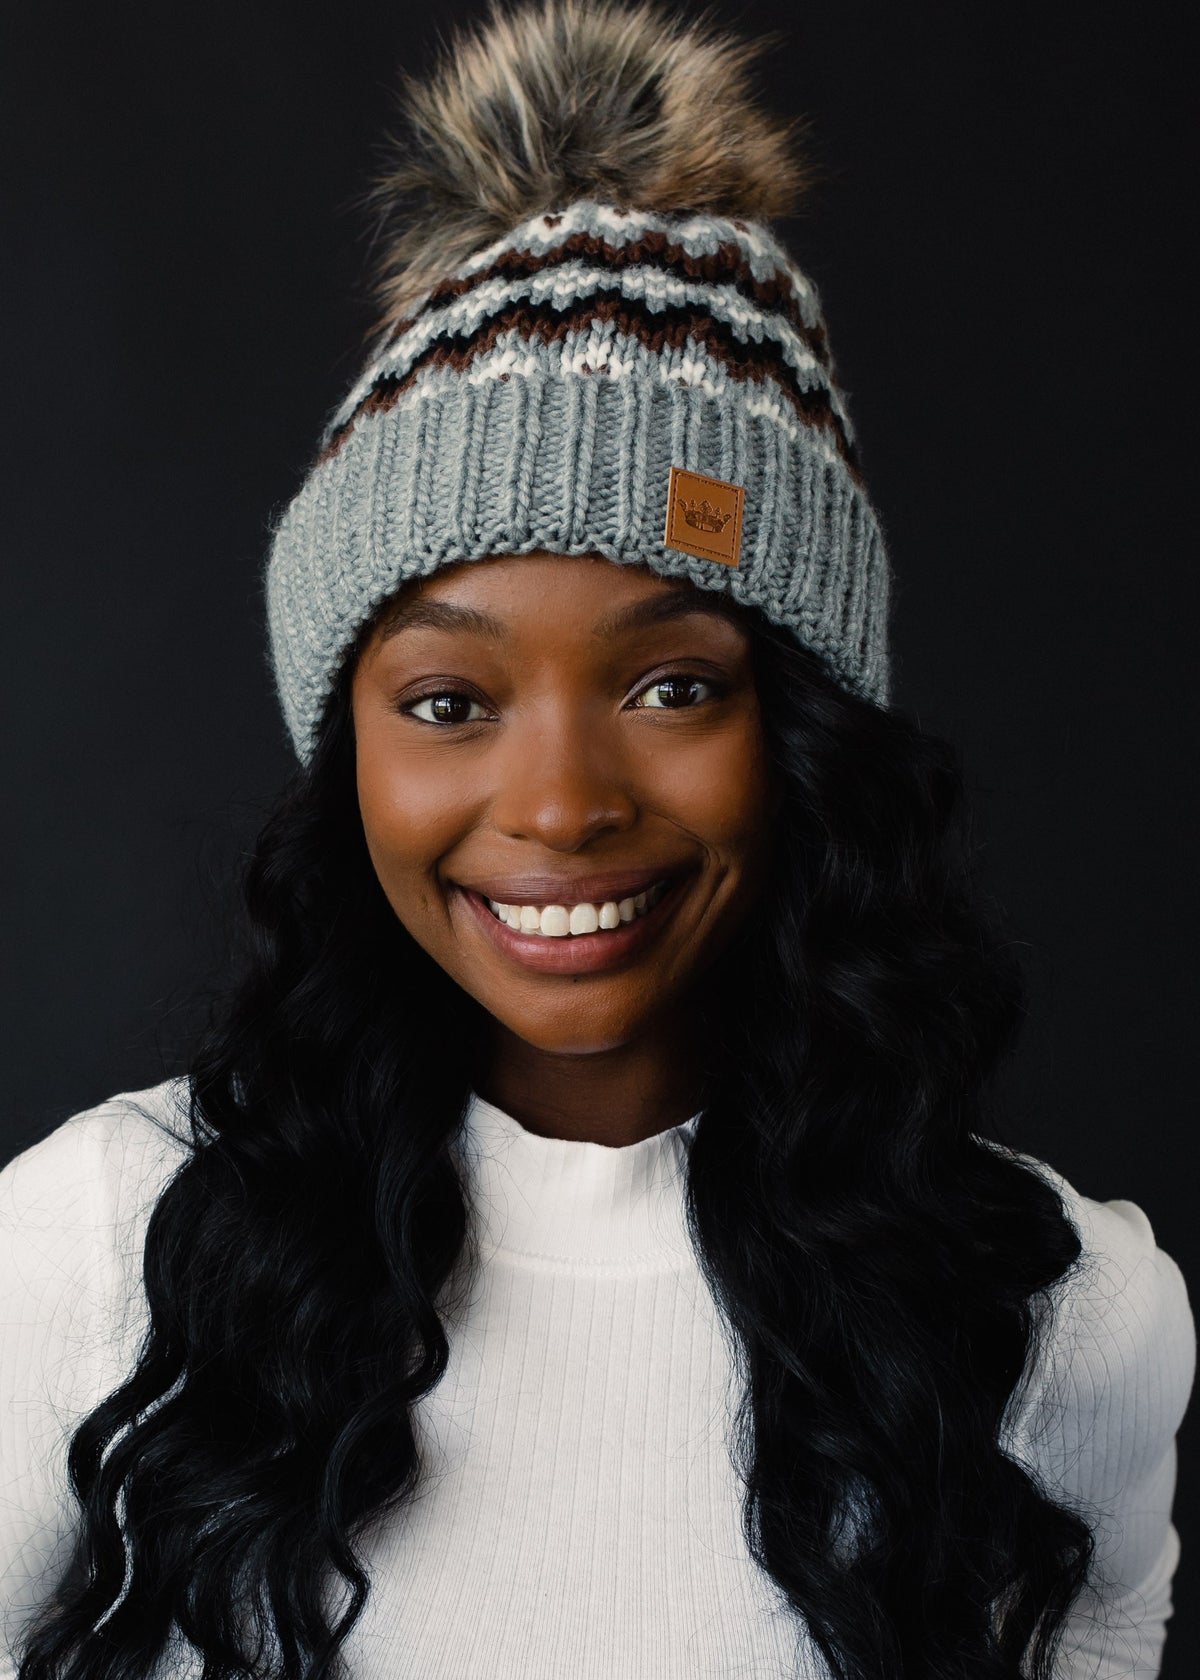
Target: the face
pixel 564 788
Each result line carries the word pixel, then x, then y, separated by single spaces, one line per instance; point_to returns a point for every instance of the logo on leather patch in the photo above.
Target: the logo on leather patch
pixel 704 516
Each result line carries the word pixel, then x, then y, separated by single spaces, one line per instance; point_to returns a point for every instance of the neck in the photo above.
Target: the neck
pixel 615 1096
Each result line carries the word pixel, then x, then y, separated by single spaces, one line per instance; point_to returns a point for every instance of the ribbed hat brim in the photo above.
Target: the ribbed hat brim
pixel 461 469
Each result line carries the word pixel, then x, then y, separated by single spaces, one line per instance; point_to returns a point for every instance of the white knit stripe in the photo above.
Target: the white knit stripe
pixel 514 357
pixel 574 282
pixel 632 362
pixel 700 236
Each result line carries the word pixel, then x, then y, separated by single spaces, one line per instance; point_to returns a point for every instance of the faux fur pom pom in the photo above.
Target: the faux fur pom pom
pixel 566 99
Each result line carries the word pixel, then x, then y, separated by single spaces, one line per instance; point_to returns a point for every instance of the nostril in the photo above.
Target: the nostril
pixel 561 806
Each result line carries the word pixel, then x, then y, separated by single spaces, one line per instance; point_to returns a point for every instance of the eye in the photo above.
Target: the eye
pixel 446 707
pixel 677 692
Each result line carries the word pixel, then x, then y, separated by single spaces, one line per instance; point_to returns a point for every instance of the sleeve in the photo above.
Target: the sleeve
pixel 1117 1369
pixel 70 1326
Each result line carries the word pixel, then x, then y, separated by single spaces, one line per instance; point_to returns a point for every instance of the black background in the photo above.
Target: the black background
pixel 999 242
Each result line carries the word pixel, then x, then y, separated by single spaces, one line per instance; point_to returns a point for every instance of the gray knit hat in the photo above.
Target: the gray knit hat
pixel 636 369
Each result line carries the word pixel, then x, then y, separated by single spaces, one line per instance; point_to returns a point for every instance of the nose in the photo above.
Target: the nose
pixel 562 780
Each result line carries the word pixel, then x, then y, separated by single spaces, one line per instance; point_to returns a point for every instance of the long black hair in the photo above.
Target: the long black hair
pixel 881 1266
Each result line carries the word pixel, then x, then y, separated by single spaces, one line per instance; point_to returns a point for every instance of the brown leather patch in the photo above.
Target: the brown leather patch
pixel 704 516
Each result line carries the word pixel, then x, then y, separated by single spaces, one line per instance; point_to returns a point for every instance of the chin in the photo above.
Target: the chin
pixel 572 1035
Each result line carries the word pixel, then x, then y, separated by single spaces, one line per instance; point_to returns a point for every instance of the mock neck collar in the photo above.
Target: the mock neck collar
pixel 567 1203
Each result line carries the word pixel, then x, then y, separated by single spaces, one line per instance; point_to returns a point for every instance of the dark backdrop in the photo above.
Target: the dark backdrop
pixel 999 246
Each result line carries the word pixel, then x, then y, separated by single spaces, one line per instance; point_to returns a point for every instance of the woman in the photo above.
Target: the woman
pixel 576 1248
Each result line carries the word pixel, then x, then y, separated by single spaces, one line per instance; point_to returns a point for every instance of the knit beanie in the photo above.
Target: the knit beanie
pixel 591 342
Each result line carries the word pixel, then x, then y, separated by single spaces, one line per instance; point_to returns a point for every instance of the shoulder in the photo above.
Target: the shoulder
pixel 73 1207
pixel 73 1212
pixel 1112 1372
pixel 101 1162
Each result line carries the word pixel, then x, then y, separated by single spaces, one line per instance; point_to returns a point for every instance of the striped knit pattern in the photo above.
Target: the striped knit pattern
pixel 537 399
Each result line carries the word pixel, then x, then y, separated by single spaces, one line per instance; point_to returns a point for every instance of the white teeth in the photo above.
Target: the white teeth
pixel 585 918
pixel 556 924
pixel 557 921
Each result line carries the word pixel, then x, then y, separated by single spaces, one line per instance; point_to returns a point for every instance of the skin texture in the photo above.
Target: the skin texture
pixel 552 752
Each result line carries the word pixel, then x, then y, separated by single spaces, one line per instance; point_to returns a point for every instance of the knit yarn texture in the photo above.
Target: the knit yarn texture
pixel 537 398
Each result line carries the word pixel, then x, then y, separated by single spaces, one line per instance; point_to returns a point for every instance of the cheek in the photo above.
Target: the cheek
pixel 411 816
pixel 720 791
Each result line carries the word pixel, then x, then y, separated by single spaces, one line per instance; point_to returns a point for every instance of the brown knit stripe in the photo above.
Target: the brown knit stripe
pixel 663 330
pixel 726 266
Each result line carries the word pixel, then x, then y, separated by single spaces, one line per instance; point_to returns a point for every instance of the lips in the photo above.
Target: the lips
pixel 584 953
pixel 541 890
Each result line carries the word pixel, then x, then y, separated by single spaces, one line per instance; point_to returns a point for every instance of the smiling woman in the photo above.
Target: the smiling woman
pixel 580 744
pixel 582 1244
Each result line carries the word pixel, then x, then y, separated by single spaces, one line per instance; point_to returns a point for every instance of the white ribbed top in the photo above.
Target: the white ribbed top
pixel 579 1514
pixel 578 1206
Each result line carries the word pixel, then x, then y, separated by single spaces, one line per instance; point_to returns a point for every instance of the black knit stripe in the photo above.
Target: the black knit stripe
pixel 656 331
pixel 726 266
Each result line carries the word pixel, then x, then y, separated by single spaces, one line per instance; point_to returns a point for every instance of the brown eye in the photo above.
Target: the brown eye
pixel 447 707
pixel 677 693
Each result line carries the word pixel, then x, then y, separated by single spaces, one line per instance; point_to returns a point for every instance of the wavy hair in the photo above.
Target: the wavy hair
pixel 882 1267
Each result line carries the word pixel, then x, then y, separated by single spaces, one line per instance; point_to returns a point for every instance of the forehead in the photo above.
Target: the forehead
pixel 492 597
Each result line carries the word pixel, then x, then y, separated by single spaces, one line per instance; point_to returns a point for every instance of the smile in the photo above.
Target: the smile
pixel 583 938
pixel 562 921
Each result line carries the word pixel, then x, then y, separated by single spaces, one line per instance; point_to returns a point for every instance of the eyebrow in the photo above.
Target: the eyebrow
pixel 438 615
pixel 658 609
